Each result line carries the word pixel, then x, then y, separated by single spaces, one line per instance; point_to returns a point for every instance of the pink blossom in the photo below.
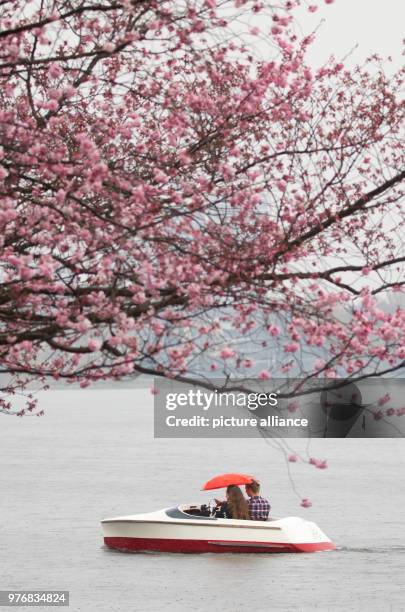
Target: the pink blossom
pixel 69 91
pixel 227 171
pixel 86 145
pixel 55 94
pixel 292 347
pixel 108 47
pixel 83 325
pixel 160 177
pixel 184 156
pixel 264 375
pixel 400 352
pixel 293 458
pixel 227 353
pixel 99 171
pixel 281 185
pixel 95 345
pixel 26 273
pixel 319 364
pixel 26 345
pixel 51 105
pixel 55 70
pixel 306 503
pixel 322 465
pixel 384 399
pixel 274 330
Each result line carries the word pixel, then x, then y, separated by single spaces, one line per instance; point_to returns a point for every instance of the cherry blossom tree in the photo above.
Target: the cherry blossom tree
pixel 179 187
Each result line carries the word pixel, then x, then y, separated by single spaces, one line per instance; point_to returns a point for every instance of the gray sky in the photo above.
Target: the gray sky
pixel 377 26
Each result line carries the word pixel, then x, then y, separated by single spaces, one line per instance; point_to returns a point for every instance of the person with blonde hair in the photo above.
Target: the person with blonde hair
pixel 259 508
pixel 235 506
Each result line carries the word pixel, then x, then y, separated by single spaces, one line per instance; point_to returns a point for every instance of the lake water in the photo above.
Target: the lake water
pixel 93 455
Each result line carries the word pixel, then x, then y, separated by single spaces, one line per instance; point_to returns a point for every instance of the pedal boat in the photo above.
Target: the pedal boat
pixel 183 529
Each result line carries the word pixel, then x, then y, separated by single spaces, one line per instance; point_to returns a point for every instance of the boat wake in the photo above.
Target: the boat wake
pixel 373 549
pixel 115 551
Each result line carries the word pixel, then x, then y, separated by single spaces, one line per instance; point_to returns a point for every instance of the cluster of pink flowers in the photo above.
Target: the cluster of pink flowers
pixel 163 195
pixel 319 463
pixel 389 412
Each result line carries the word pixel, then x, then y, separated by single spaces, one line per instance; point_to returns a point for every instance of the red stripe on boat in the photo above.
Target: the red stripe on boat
pixel 217 546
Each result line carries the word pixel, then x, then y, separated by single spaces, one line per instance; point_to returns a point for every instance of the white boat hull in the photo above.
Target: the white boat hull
pixel 172 530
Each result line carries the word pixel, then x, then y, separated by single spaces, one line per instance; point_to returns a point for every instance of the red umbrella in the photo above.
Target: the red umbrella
pixel 224 480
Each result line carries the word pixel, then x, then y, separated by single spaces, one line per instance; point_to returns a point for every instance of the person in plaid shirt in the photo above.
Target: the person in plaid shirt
pixel 259 508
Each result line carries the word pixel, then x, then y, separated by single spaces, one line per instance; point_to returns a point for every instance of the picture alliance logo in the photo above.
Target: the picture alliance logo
pixel 232 421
